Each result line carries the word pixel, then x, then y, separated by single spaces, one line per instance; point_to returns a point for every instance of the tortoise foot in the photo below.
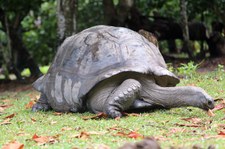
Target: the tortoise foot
pixel 122 98
pixel 41 105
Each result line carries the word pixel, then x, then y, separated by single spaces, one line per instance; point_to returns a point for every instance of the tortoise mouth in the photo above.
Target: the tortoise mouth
pixel 209 105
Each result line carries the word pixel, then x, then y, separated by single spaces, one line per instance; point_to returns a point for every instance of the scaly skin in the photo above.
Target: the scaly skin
pixel 41 105
pixel 140 92
pixel 122 98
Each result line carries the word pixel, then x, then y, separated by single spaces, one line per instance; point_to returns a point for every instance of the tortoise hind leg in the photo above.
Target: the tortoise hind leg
pixel 122 98
pixel 42 104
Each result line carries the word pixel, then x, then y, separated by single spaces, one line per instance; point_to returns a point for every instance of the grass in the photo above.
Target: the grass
pixel 166 126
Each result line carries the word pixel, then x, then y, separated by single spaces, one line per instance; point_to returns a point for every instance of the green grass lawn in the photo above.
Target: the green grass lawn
pixel 71 130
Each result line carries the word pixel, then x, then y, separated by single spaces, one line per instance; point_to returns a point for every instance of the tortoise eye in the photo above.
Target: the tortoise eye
pixel 209 102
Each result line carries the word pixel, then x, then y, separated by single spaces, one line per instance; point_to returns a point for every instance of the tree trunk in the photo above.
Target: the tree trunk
pixel 66 15
pixel 117 15
pixel 17 57
pixel 184 26
pixel 109 12
pixel 123 10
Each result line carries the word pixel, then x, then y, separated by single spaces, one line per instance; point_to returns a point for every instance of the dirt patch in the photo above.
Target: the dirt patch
pixel 15 85
pixel 211 64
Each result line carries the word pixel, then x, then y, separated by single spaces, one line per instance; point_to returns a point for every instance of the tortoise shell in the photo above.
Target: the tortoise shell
pixel 95 54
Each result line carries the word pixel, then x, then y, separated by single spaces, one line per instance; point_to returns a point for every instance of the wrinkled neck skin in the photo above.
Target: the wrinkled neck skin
pixel 171 97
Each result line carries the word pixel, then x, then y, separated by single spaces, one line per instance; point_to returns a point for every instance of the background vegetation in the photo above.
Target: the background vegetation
pixel 29 31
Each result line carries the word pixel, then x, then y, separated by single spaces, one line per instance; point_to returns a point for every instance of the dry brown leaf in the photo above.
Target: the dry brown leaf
pixel 219 106
pixel 53 122
pixel 132 134
pixel 13 145
pixel 188 125
pixel 222 133
pixel 57 113
pixel 6 122
pixel 29 105
pixel 33 120
pixel 193 120
pixel 176 130
pixel 22 134
pixel 116 128
pixel 3 107
pixel 10 116
pixel 160 138
pixel 83 135
pixel 210 113
pixel 45 139
pixel 66 128
pixel 221 126
pixel 132 114
pixel 6 101
pixel 97 116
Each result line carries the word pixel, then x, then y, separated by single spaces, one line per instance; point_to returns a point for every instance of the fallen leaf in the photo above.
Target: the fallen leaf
pixel 176 130
pixel 13 145
pixel 57 113
pixel 131 134
pixel 6 101
pixel 221 126
pixel 66 128
pixel 219 106
pixel 22 134
pixel 29 105
pixel 188 125
pixel 33 97
pixel 210 113
pixel 83 135
pixel 96 133
pixel 222 133
pixel 6 122
pixel 10 116
pixel 132 114
pixel 53 122
pixel 97 116
pixel 33 120
pixel 116 127
pixel 45 139
pixel 160 138
pixel 193 120
pixel 134 135
pixel 3 107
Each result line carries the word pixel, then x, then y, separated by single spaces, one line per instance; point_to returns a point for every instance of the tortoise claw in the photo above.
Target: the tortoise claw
pixel 40 107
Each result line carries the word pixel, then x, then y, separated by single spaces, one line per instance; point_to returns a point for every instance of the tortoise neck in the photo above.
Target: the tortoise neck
pixel 170 97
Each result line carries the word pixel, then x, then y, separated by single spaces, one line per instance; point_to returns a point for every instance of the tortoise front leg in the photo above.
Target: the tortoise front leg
pixel 42 104
pixel 122 98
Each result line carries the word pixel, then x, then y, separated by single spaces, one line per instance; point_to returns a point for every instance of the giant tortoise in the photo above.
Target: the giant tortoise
pixel 111 70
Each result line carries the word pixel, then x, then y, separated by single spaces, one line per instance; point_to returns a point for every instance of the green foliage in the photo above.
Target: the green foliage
pixel 188 70
pixel 90 13
pixel 26 72
pixel 163 8
pixel 40 34
pixel 220 68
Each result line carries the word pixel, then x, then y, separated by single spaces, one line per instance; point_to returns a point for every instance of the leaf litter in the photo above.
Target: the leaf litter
pixel 41 140
pixel 13 145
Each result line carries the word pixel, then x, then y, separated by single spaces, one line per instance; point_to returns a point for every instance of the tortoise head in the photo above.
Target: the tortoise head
pixel 205 101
